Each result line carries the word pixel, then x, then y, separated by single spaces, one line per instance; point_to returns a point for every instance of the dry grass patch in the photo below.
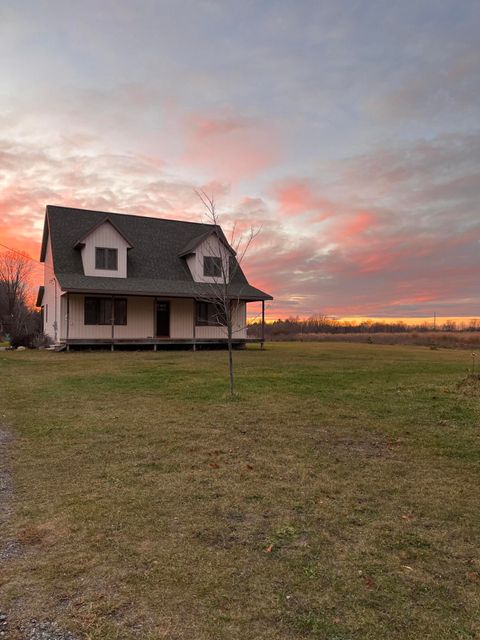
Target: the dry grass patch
pixel 470 385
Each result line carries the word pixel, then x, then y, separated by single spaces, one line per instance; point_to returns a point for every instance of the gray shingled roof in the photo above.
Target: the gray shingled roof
pixel 154 265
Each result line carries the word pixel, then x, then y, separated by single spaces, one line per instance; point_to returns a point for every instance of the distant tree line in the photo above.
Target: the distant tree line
pixel 296 326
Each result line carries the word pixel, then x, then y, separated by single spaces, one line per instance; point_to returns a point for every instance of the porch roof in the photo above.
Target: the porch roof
pixel 77 283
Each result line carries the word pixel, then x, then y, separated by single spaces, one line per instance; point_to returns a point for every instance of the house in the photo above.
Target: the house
pixel 123 279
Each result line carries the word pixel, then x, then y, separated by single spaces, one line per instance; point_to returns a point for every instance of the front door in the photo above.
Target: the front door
pixel 163 319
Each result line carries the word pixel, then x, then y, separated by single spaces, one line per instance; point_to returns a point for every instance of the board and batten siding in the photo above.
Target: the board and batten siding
pixel 105 236
pixel 181 318
pixel 210 247
pixel 141 321
pixel 63 317
pixel 240 320
pixel 51 303
pixel 239 325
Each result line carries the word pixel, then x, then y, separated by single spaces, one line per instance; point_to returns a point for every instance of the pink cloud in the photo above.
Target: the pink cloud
pixel 230 148
pixel 359 223
pixel 353 229
pixel 296 197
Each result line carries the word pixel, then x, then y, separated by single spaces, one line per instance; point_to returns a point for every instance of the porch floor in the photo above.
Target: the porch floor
pixel 154 342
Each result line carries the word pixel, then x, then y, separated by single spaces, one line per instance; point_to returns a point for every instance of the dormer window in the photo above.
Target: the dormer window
pixel 106 258
pixel 212 267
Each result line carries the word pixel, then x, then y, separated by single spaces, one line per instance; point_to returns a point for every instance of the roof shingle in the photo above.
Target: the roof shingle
pixel 154 264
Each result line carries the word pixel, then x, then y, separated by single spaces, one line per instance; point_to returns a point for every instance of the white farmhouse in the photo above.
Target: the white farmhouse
pixel 122 279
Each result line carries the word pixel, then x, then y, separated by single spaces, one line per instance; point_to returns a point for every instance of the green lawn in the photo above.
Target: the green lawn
pixel 336 497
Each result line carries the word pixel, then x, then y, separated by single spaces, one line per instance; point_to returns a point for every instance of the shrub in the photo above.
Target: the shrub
pixel 22 340
pixel 41 340
pixel 30 340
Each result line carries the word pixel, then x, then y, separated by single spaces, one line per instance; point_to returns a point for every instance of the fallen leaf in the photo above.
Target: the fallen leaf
pixel 214 465
pixel 269 549
pixel 369 582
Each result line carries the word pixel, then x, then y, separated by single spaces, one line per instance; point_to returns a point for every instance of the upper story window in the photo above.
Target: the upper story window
pixel 212 266
pixel 106 258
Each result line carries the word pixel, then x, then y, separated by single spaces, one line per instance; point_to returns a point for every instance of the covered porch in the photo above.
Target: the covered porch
pixel 149 321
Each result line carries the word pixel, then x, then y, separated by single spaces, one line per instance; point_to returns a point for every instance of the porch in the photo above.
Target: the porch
pixel 157 344
pixel 149 321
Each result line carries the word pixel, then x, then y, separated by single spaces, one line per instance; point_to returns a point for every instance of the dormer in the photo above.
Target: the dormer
pixel 208 257
pixel 104 250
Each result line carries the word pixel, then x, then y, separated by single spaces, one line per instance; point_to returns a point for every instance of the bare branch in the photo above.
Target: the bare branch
pixel 15 271
pixel 221 292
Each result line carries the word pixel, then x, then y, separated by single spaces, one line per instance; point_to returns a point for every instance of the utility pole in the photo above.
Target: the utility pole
pixel 434 320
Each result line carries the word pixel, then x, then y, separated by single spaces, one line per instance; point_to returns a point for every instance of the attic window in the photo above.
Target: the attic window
pixel 212 267
pixel 106 258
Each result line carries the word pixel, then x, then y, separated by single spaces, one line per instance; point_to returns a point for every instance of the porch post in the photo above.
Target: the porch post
pixel 263 324
pixel 68 321
pixel 112 319
pixel 155 319
pixel 194 324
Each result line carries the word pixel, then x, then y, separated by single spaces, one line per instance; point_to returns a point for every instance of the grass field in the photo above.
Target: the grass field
pixel 336 497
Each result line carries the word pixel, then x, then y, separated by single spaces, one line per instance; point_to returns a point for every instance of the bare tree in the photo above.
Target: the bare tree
pixel 223 292
pixel 15 270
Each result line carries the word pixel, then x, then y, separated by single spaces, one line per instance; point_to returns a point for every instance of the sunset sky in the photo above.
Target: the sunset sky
pixel 350 130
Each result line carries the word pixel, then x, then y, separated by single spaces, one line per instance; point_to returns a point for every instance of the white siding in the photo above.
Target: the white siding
pixel 209 247
pixel 51 298
pixel 240 320
pixel 181 318
pixel 105 236
pixel 76 326
pixel 210 332
pixel 63 317
pixel 139 320
pixel 239 325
